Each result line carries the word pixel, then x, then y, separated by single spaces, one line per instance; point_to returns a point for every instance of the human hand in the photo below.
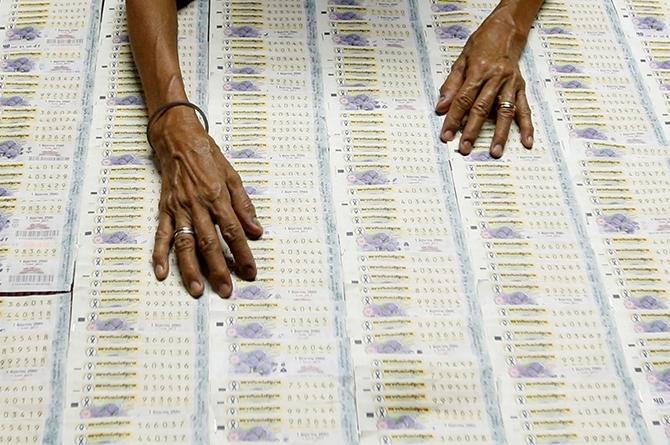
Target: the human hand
pixel 486 75
pixel 200 190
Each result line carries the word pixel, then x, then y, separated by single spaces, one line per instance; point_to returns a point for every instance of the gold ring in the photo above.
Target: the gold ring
pixel 507 105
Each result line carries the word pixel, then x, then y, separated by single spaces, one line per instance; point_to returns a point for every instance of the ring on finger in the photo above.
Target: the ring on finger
pixel 182 231
pixel 507 105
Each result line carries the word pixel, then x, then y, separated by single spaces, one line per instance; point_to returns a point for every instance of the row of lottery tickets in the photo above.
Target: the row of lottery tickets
pixel 405 294
pixel 45 57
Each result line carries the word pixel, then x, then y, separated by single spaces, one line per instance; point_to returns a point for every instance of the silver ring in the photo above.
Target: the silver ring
pixel 507 105
pixel 182 231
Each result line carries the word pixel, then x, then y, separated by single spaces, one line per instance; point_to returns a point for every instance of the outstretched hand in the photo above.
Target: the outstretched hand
pixel 486 80
pixel 200 190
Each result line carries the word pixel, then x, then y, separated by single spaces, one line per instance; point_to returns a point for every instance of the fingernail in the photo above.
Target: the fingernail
pixel 159 269
pixel 449 135
pixel 440 101
pixel 529 141
pixel 497 150
pixel 256 222
pixel 224 290
pixel 466 147
pixel 195 287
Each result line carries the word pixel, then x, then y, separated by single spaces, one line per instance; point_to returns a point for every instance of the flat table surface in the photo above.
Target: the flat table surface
pixel 406 294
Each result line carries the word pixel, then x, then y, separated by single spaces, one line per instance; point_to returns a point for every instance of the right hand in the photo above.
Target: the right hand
pixel 200 190
pixel 484 75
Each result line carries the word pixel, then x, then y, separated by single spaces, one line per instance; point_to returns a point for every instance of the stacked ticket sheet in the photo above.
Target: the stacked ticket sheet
pixel 278 352
pixel 548 327
pixel 43 101
pixel 33 333
pixel 135 365
pixel 421 374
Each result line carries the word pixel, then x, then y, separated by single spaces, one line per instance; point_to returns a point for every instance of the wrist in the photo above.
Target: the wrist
pixel 177 123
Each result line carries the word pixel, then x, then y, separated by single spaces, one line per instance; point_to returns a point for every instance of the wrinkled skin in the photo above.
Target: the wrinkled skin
pixel 487 73
pixel 201 190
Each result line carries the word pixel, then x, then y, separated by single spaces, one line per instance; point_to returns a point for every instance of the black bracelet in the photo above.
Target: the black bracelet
pixel 177 103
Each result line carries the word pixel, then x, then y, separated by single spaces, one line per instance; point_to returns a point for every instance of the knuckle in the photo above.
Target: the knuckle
pixel 184 243
pixel 231 231
pixel 211 192
pixel 464 101
pixel 207 243
pixel 480 108
pixel 506 113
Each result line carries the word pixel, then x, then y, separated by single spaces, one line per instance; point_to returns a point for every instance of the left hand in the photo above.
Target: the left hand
pixel 485 75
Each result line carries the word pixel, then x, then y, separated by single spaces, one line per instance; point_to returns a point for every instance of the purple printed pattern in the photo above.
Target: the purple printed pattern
pixel 128 100
pixel 533 370
pixel 243 31
pixel 347 15
pixel 573 85
pixel 619 223
pixel 648 302
pixel 591 133
pixel 566 69
pixel 663 64
pixel 368 177
pixel 4 222
pixel 457 32
pixel 13 101
pixel 345 2
pixel 122 38
pixel 112 324
pixel 245 85
pixel 255 434
pixel 555 30
pixel 25 33
pixel 390 347
pixel 20 65
pixel 127 159
pixel 252 292
pixel 254 362
pixel 246 153
pixel 252 190
pixel 379 242
pixel 10 149
pixel 446 8
pixel 516 298
pixel 360 102
pixel 118 238
pixel 404 422
pixel 504 232
pixel 604 153
pixel 662 380
pixel 106 410
pixel 245 70
pixel 352 40
pixel 481 156
pixel 251 330
pixel 4 192
pixel 651 23
pixel 384 310
pixel 654 326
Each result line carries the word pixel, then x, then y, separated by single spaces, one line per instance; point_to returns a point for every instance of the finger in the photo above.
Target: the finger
pixel 244 208
pixel 451 86
pixel 162 242
pixel 478 114
pixel 233 234
pixel 524 119
pixel 211 251
pixel 504 118
pixel 461 106
pixel 184 246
